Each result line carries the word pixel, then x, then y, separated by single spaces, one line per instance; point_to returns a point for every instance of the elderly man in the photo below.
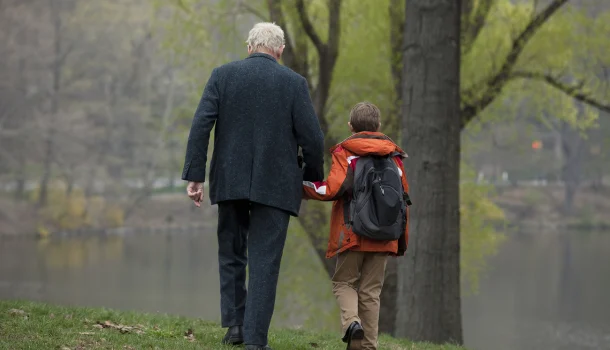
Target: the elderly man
pixel 263 113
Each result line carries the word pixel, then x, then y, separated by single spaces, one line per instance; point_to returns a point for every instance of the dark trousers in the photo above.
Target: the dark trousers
pixel 255 234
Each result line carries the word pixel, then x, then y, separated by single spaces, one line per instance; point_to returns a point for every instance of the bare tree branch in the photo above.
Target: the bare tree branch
pixel 334 28
pixel 572 90
pixel 473 21
pixel 308 26
pixel 293 57
pixel 494 84
pixel 181 5
pixel 254 11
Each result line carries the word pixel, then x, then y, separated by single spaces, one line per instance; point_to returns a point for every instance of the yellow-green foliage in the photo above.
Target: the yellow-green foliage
pixel 114 216
pixel 73 211
pixel 479 237
pixel 569 46
pixel 63 211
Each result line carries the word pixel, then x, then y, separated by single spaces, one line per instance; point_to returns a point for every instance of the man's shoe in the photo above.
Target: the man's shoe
pixel 234 336
pixel 353 336
pixel 258 347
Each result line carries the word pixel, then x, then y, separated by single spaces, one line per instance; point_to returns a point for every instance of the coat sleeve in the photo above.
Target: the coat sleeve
pixel 199 136
pixel 332 188
pixel 308 133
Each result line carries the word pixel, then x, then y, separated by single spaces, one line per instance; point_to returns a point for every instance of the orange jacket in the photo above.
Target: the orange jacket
pixel 344 156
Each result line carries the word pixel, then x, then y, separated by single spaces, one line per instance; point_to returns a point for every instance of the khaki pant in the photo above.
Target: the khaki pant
pixel 357 284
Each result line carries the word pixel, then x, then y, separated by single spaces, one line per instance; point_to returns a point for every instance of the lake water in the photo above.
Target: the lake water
pixel 542 291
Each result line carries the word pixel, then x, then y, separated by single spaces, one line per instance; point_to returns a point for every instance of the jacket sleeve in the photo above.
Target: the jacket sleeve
pixel 308 133
pixel 336 184
pixel 199 136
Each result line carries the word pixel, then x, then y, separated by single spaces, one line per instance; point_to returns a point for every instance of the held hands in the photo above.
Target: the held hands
pixel 195 192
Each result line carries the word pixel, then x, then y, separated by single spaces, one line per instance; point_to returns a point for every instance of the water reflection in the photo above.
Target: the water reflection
pixel 173 273
pixel 542 291
pixel 163 273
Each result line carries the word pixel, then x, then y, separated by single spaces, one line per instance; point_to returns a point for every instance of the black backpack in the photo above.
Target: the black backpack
pixel 378 204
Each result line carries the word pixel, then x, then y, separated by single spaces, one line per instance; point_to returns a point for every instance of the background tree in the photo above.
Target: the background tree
pixel 429 295
pixel 359 74
pixel 133 71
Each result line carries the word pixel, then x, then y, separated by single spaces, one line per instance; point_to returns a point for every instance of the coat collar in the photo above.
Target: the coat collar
pixel 263 55
pixel 368 142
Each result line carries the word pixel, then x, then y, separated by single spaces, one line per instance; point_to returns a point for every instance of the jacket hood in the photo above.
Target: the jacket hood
pixel 370 143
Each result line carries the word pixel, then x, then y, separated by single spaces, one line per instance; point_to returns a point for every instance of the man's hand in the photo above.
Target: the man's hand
pixel 195 192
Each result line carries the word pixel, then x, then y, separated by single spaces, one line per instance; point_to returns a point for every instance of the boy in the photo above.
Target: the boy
pixel 361 261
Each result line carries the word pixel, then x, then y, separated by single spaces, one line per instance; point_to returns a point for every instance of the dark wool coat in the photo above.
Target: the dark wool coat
pixel 262 112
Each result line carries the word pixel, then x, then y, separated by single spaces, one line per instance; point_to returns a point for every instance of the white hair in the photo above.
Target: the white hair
pixel 266 35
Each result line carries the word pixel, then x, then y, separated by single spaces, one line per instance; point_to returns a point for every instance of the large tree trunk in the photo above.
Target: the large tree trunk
pixel 429 278
pixel 387 313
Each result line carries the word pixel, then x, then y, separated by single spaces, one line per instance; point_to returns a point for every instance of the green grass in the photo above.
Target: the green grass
pixel 29 325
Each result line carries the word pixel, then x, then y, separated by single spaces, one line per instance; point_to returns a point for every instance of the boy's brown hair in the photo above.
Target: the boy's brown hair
pixel 365 116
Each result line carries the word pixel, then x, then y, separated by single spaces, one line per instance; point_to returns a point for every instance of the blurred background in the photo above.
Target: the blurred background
pixel 97 97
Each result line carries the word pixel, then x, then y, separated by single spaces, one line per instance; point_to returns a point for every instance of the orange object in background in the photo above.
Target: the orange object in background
pixel 537 144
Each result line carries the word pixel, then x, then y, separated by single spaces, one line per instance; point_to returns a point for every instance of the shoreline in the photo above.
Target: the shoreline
pixel 525 208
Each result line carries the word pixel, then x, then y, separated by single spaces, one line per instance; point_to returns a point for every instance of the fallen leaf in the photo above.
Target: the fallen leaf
pixel 15 312
pixel 121 328
pixel 52 316
pixel 188 335
pixel 68 317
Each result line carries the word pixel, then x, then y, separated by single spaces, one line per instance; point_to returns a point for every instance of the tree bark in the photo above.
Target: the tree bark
pixel 429 279
pixel 56 70
pixel 387 312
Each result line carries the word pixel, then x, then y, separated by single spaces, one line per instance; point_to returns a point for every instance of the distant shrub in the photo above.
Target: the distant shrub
pixel 114 216
pixel 479 237
pixel 74 211
pixel 65 211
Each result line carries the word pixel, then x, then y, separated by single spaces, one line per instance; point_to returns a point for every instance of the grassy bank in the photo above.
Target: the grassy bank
pixel 29 325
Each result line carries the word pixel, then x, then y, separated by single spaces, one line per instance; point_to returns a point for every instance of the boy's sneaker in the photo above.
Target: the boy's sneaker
pixel 353 336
